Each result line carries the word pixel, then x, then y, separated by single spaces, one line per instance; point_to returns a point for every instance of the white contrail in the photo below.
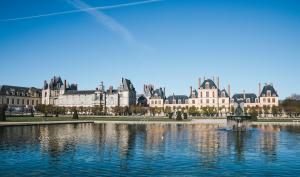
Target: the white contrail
pixel 107 21
pixel 80 10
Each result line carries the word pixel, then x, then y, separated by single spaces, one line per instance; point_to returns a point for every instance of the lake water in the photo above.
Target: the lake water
pixel 148 150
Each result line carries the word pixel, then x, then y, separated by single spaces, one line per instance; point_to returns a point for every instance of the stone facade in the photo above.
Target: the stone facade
pixel 209 94
pixel 62 94
pixel 20 97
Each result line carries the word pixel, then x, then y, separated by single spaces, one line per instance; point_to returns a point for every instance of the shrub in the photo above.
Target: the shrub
pixel 185 116
pixel 179 116
pixel 170 115
pixel 75 114
pixel 3 108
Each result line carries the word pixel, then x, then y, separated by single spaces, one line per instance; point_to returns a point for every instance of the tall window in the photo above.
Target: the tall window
pixel 206 85
pixel 207 101
pixel 7 100
pixel 193 101
pixel 201 94
pixel 223 101
pixel 207 94
pixel 273 100
pixel 213 94
pixel 18 101
pixel 12 101
pixel 268 93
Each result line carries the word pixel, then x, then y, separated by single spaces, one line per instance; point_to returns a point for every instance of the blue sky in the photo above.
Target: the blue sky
pixel 168 43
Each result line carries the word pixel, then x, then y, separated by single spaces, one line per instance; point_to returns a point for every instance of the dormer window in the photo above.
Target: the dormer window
pixel 167 101
pixel 256 100
pixel 223 94
pixel 268 93
pixel 174 101
pixel 179 101
pixel 206 85
pixel 186 101
pixel 248 100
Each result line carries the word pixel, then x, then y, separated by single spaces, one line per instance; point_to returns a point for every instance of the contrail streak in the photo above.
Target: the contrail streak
pixel 105 20
pixel 81 10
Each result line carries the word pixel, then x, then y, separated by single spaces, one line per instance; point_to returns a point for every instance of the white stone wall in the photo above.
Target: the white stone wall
pixel 76 100
pixel 19 101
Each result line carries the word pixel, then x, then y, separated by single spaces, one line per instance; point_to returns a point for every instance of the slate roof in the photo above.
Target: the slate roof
pixel 194 93
pixel 240 97
pixel 210 82
pixel 13 90
pixel 126 85
pixel 142 100
pixel 177 98
pixel 81 92
pixel 265 90
pixel 220 93
pixel 158 93
pixel 55 83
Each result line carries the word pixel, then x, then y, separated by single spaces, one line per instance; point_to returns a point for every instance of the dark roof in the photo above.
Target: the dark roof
pixel 177 98
pixel 127 85
pixel 81 92
pixel 220 93
pixel 113 91
pixel 55 83
pixel 7 88
pixel 210 83
pixel 194 94
pixel 240 97
pixel 267 88
pixel 158 93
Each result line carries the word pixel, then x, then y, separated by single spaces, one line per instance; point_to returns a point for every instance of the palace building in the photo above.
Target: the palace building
pixel 62 94
pixel 210 95
pixel 18 98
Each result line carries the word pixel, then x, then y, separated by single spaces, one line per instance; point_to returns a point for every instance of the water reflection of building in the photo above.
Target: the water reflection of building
pixel 269 139
pixel 209 141
pixel 60 139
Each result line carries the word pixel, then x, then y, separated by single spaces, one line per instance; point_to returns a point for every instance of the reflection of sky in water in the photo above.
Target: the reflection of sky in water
pixel 153 149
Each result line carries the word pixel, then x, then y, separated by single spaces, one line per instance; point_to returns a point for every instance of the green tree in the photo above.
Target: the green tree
pixel 167 110
pixel 291 107
pixel 266 110
pixel 75 113
pixel 42 108
pixel 193 111
pixel 179 115
pixel 3 108
pixel 275 111
pixel 253 112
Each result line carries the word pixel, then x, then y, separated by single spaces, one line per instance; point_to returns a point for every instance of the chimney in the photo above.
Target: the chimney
pixel 259 89
pixel 65 84
pixel 229 91
pixel 244 94
pixel 191 90
pixel 199 83
pixel 218 82
pixel 110 89
pixel 164 91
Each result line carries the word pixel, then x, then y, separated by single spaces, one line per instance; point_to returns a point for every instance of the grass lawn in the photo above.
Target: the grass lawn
pixel 280 120
pixel 65 118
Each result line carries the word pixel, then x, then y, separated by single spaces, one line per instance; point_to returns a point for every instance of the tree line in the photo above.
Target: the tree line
pixel 289 107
